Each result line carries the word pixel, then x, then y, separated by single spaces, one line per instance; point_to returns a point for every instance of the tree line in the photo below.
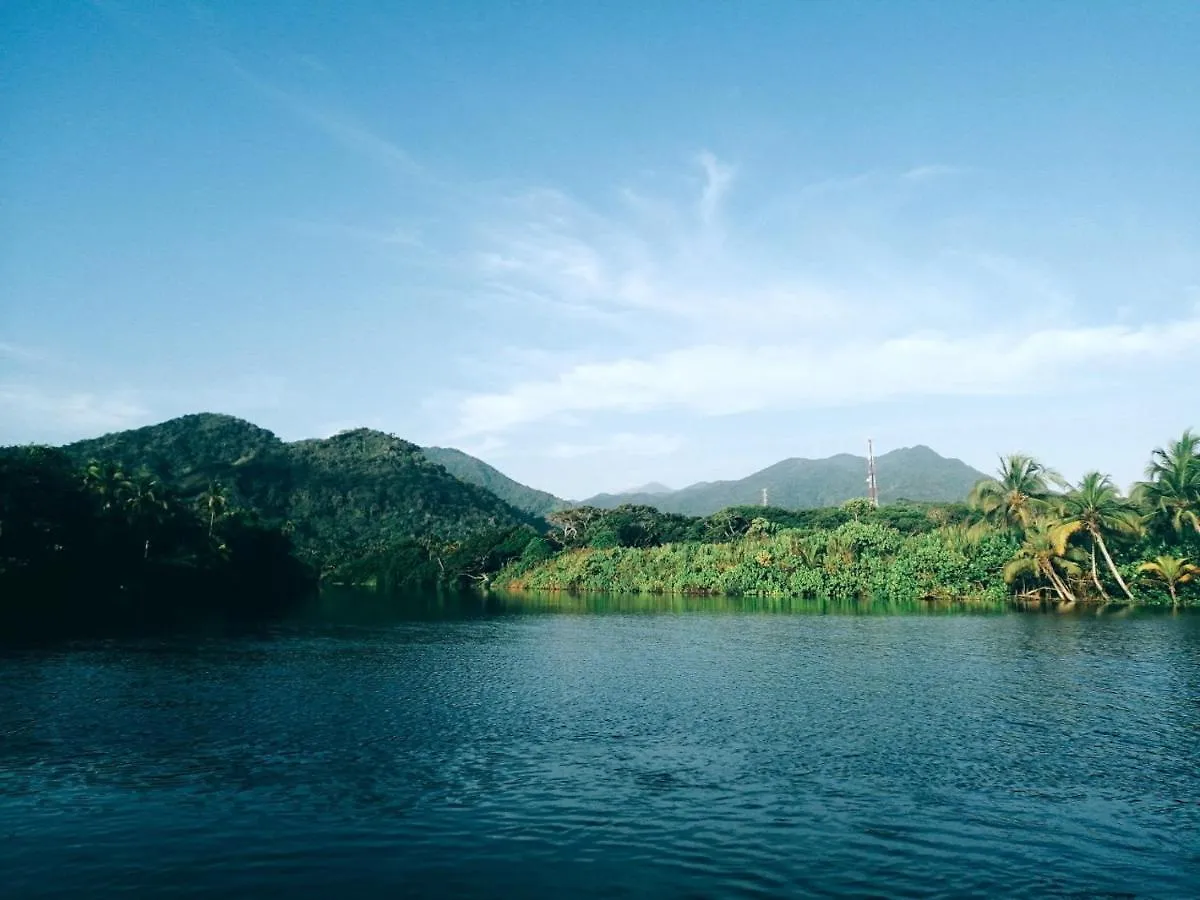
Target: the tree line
pixel 1023 533
pixel 96 546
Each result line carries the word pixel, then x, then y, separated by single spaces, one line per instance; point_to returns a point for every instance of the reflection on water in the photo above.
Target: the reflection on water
pixel 467 746
pixel 348 604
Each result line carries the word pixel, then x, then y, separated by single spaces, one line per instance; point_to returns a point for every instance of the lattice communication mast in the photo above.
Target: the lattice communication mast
pixel 872 484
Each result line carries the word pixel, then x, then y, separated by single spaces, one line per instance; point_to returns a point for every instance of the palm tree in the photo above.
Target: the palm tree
pixel 145 502
pixel 1097 507
pixel 1171 492
pixel 1017 495
pixel 214 501
pixel 1171 571
pixel 1045 554
pixel 108 482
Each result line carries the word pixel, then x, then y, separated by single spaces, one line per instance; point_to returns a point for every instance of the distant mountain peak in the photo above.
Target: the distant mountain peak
pixel 915 450
pixel 652 488
pixel 907 473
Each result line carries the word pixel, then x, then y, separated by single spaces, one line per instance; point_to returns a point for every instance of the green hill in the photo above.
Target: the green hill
pixel 476 471
pixel 911 473
pixel 346 496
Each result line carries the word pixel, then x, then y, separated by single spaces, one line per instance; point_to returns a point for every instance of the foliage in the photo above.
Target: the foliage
pixel 854 560
pixel 1171 495
pixel 1046 556
pixel 96 547
pixel 348 497
pixel 858 508
pixel 358 492
pixel 475 471
pixel 431 561
pixel 1018 494
pixel 1096 507
pixel 1023 532
pixel 1172 571
pixel 208 509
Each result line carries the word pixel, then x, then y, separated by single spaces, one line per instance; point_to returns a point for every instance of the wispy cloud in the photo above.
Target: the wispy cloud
pixel 337 124
pixel 717 178
pixel 21 354
pixel 32 408
pixel 490 446
pixel 652 257
pixel 70 414
pixel 724 379
pixel 202 47
pixel 811 309
pixel 930 172
pixel 799 266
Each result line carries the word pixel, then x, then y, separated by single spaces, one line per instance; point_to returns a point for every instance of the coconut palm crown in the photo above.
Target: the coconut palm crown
pixel 1172 571
pixel 1171 492
pixel 1018 494
pixel 1046 555
pixel 1098 508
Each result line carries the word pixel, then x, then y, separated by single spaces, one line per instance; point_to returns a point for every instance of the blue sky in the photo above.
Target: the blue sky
pixel 600 244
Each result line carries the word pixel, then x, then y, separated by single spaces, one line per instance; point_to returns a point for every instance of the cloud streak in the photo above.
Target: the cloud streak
pixel 722 379
pixel 20 354
pixel 717 179
pixel 65 412
pixel 70 413
pixel 337 125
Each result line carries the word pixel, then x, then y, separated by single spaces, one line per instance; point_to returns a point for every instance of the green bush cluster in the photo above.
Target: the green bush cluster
pixel 858 559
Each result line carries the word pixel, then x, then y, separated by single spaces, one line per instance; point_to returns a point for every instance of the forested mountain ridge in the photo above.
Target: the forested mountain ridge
pixel 475 471
pixel 344 496
pixel 189 449
pixel 911 473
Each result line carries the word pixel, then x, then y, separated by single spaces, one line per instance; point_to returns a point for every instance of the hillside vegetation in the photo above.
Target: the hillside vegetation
pixel 208 514
pixel 92 547
pixel 343 498
pixel 475 471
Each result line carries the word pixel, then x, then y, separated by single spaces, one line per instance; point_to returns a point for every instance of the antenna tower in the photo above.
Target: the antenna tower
pixel 872 484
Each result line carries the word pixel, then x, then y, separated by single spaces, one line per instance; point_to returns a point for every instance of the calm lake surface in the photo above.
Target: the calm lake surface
pixel 609 748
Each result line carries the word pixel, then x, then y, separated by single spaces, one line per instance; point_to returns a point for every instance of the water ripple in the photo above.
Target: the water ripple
pixel 695 755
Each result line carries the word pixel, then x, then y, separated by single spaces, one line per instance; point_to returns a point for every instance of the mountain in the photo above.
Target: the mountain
pixel 345 495
pixel 476 471
pixel 911 473
pixel 652 489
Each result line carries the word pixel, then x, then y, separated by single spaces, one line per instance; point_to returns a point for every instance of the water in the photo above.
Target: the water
pixel 603 749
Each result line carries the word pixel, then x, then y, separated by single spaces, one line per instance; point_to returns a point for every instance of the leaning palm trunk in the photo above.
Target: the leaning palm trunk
pixel 1096 575
pixel 1112 567
pixel 1060 586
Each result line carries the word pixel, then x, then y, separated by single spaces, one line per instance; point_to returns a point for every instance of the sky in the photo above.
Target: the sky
pixel 602 244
